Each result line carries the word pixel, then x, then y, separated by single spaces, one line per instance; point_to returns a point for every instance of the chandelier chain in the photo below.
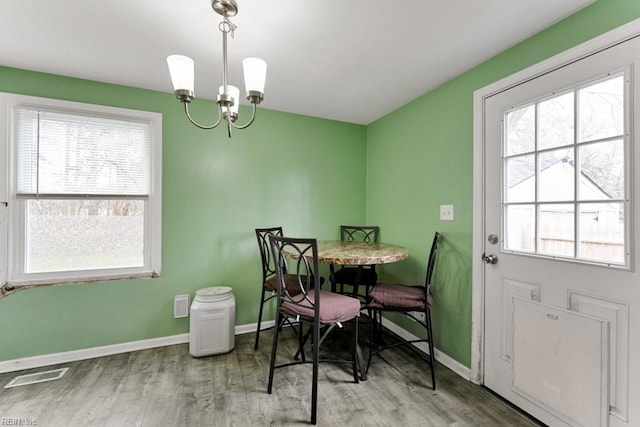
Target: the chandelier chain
pixel 227 26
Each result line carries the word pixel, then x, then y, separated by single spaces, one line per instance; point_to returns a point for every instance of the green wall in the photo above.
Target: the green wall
pixel 305 174
pixel 420 157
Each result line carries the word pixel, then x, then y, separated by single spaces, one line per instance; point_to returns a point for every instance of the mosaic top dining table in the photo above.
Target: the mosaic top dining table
pixel 358 253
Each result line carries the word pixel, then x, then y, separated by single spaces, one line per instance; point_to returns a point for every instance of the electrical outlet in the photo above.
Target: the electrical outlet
pixel 446 212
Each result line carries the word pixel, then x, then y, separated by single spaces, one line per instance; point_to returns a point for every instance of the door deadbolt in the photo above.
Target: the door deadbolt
pixel 493 239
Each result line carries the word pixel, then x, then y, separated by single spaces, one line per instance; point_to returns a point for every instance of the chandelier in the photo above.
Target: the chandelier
pixel 228 100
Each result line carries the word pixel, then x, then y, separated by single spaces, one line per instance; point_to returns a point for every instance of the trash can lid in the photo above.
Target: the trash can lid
pixel 214 293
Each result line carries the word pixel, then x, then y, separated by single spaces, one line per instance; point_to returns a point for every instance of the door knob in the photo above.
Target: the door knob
pixel 490 259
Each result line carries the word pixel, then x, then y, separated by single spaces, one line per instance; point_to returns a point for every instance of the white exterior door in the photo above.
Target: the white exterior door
pixel 561 207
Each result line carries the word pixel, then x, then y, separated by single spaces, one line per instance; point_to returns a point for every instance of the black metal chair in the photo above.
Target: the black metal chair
pixel 269 282
pixel 404 299
pixel 301 302
pixel 356 276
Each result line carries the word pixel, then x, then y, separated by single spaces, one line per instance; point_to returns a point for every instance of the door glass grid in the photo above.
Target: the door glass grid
pixel 564 174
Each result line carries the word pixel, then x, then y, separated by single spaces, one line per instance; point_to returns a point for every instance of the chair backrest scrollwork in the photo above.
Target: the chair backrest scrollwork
pixel 296 259
pixel 359 233
pixel 262 234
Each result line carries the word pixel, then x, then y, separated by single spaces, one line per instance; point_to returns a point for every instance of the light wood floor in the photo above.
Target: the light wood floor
pixel 168 387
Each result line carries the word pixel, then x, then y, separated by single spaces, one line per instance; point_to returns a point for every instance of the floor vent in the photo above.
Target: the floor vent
pixel 38 377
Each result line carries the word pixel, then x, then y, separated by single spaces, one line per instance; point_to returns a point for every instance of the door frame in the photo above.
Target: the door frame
pixel 599 43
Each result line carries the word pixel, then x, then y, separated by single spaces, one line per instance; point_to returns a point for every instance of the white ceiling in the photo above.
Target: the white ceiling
pixel 353 60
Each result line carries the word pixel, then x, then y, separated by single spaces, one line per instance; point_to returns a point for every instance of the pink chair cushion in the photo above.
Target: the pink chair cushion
pixel 333 307
pixel 393 297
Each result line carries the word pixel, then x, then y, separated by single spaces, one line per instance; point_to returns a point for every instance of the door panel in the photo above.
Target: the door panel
pixel 593 289
pixel 617 315
pixel 574 388
pixel 514 288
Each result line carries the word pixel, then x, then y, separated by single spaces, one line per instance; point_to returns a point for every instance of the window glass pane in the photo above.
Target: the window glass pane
pixel 601 232
pixel 601 171
pixel 556 230
pixel 521 226
pixel 64 235
pixel 521 179
pixel 555 122
pixel 520 130
pixel 556 176
pixel 601 110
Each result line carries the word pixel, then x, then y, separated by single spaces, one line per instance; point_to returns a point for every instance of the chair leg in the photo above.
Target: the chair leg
pixel 357 281
pixel 431 350
pixel 332 277
pixel 373 321
pixel 379 328
pixel 274 348
pixel 259 319
pixel 357 354
pixel 314 380
pixel 301 341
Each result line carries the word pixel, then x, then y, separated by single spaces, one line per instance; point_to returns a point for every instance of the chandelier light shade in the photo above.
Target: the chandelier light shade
pixel 234 92
pixel 255 74
pixel 181 69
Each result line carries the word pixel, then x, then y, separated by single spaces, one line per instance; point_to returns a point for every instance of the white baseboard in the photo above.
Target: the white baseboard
pixel 441 357
pixel 89 353
pixel 108 350
pixel 251 327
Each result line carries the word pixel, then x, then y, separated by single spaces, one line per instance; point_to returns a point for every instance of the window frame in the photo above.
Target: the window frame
pixel 625 137
pixel 13 207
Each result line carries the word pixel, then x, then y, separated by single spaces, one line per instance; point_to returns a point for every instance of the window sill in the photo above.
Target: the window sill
pixel 13 287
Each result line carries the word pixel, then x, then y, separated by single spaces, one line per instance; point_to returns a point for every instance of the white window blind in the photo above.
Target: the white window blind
pixel 66 154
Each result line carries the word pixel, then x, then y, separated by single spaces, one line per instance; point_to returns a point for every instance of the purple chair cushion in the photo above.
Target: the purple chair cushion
pixel 333 307
pixel 393 297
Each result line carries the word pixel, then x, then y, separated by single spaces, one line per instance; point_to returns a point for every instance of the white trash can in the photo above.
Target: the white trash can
pixel 212 321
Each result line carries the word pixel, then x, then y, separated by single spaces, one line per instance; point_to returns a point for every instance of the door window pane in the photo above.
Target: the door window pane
pixel 556 230
pixel 521 179
pixel 520 130
pixel 601 233
pixel 557 175
pixel 601 110
pixel 601 170
pixel 521 235
pixel 556 122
